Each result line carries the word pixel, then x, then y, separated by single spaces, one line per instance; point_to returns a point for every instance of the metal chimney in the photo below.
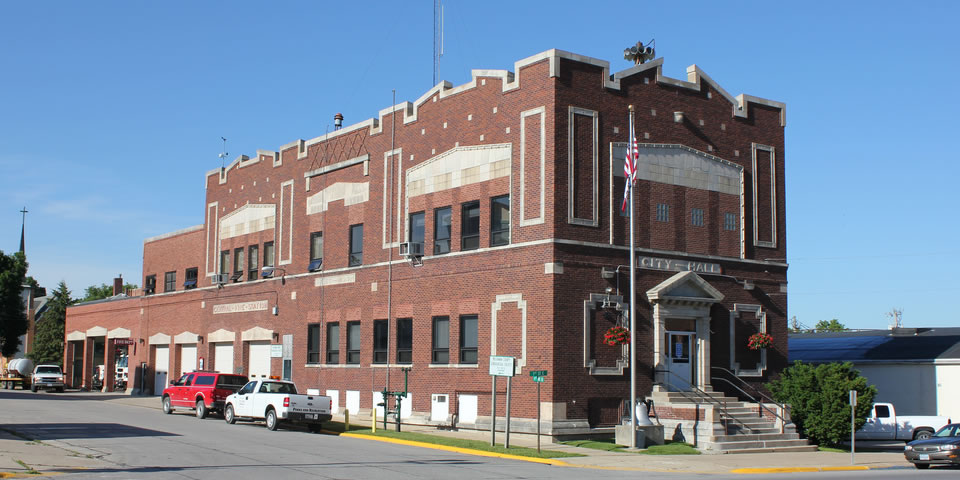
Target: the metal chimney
pixel 338 121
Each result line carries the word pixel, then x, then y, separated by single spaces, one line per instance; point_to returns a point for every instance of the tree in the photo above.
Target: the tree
pixel 38 291
pixel 819 399
pixel 13 316
pixel 94 292
pixel 833 325
pixel 48 341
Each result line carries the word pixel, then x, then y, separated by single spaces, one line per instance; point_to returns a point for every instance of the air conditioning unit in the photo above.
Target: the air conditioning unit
pixel 221 278
pixel 411 249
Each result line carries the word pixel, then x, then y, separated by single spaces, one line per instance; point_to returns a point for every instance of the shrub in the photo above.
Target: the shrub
pixel 819 399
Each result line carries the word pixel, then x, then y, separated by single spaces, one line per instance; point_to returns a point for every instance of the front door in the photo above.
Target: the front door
pixel 680 360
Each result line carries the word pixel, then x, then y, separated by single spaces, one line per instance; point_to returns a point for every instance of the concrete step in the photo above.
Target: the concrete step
pixel 754 444
pixel 797 449
pixel 747 437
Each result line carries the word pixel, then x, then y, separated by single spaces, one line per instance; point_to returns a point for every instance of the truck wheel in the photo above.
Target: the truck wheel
pixel 922 435
pixel 228 415
pixel 921 466
pixel 33 389
pixel 167 407
pixel 271 420
pixel 201 409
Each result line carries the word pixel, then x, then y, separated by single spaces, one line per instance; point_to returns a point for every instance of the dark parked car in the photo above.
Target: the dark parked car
pixel 202 391
pixel 943 448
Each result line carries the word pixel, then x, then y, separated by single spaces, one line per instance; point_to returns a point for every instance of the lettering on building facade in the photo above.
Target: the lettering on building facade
pixel 242 307
pixel 673 265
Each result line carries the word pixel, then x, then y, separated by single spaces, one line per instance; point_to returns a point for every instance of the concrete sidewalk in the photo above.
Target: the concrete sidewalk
pixel 46 456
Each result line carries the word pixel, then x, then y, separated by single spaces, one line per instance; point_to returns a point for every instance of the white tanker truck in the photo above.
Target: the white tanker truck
pixel 18 373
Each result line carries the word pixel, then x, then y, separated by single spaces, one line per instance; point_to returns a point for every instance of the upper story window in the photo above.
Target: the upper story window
pixel 417 227
pixel 379 341
pixel 441 340
pixel 441 230
pixel 663 212
pixel 150 284
pixel 404 340
pixel 268 254
pixel 313 343
pixel 253 261
pixel 169 281
pixel 237 264
pixel 356 245
pixel 190 278
pixel 499 220
pixel 316 251
pixel 729 221
pixel 468 339
pixel 696 217
pixel 333 342
pixel 225 261
pixel 470 226
pixel 353 342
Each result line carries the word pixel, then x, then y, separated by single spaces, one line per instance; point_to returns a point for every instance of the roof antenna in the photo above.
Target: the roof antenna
pixel 223 155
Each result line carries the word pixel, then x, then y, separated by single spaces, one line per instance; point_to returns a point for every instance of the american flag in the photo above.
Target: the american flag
pixel 630 166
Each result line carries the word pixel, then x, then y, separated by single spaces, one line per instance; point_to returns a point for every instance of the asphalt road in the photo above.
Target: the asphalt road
pixel 138 442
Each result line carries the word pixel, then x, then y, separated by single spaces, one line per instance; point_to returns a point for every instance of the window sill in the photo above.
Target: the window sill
pixel 332 365
pixel 453 365
pixel 390 365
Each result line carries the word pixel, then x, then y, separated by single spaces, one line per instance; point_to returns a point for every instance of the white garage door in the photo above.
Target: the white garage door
pixel 259 359
pixel 188 358
pixel 161 362
pixel 223 357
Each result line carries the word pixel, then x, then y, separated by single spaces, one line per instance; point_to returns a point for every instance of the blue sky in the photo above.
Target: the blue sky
pixel 111 113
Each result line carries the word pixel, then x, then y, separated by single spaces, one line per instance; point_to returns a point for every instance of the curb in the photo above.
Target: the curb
pixel 750 471
pixel 468 451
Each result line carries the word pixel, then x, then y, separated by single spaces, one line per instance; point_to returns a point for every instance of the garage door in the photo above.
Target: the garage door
pixel 223 357
pixel 188 358
pixel 161 362
pixel 260 359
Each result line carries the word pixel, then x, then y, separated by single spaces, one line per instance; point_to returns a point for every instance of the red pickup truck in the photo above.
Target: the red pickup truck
pixel 204 392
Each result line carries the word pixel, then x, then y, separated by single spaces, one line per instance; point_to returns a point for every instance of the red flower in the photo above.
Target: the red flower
pixel 759 340
pixel 616 336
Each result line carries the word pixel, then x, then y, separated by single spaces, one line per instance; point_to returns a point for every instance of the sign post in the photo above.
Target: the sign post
pixel 853 418
pixel 538 376
pixel 500 366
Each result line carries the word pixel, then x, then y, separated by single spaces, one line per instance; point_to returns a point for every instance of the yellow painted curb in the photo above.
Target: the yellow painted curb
pixel 845 469
pixel 468 451
pixel 799 469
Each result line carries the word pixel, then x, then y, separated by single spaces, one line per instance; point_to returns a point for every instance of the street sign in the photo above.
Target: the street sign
pixel 538 379
pixel 538 373
pixel 501 366
pixel 276 351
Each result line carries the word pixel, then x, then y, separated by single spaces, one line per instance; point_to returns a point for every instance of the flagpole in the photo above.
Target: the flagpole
pixel 633 295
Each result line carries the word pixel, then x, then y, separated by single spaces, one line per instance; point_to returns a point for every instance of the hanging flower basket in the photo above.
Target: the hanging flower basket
pixel 616 336
pixel 759 340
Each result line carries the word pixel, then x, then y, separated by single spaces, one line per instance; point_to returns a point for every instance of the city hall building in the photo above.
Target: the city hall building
pixel 484 219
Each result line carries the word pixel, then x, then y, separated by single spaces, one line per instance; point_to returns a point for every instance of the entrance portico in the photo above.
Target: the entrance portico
pixel 681 329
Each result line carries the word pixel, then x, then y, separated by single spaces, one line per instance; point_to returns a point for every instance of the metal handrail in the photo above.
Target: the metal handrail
pixel 783 407
pixel 760 410
pixel 725 415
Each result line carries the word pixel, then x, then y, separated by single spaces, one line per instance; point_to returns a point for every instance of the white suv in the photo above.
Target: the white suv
pixel 47 377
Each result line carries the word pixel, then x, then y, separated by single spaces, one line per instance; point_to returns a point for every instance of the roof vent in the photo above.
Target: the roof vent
pixel 338 121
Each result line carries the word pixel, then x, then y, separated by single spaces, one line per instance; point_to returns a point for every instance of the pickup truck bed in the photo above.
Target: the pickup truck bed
pixel 277 402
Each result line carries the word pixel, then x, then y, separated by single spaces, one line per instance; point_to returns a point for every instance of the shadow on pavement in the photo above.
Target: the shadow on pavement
pixel 155 469
pixel 61 431
pixel 46 395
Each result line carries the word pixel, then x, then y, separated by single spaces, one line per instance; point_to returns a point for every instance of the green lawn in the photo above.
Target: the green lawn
pixel 449 441
pixel 607 444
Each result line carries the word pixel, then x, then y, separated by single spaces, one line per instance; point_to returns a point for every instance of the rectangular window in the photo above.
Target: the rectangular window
pixel 313 343
pixel 499 220
pixel 237 265
pixel 333 342
pixel 356 245
pixel 379 341
pixel 225 261
pixel 253 258
pixel 470 226
pixel 150 284
pixel 268 254
pixel 468 339
pixel 441 340
pixel 729 221
pixel 316 251
pixel 663 212
pixel 441 230
pixel 190 278
pixel 404 340
pixel 417 227
pixel 169 281
pixel 353 342
pixel 696 217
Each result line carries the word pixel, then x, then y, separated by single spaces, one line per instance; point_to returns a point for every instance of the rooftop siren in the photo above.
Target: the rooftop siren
pixel 639 53
pixel 338 121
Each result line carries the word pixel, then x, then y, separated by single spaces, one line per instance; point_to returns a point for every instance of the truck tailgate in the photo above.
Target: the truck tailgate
pixel 313 404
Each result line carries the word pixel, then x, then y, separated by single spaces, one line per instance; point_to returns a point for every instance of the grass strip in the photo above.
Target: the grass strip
pixel 30 470
pixel 607 444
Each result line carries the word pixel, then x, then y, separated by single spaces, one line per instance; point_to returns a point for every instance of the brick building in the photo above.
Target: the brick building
pixel 478 220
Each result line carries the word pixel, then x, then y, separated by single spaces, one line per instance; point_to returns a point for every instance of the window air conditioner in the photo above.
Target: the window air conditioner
pixel 411 249
pixel 221 278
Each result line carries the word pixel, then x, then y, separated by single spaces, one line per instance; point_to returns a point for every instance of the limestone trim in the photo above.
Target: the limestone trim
pixel 541 111
pixel 221 336
pixel 738 310
pixel 256 334
pixel 279 220
pixel 213 236
pixel 186 337
pixel 118 333
pixel 589 306
pixel 593 221
pixel 495 307
pixel 338 166
pixel 96 332
pixel 773 195
pixel 76 335
pixel 400 174
pixel 159 339
pixel 352 193
pixel 172 234
pixel 249 218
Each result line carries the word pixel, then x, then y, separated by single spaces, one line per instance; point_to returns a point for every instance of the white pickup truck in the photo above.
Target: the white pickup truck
pixel 884 424
pixel 277 401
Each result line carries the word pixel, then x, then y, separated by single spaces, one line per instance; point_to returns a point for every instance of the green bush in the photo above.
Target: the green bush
pixel 819 399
